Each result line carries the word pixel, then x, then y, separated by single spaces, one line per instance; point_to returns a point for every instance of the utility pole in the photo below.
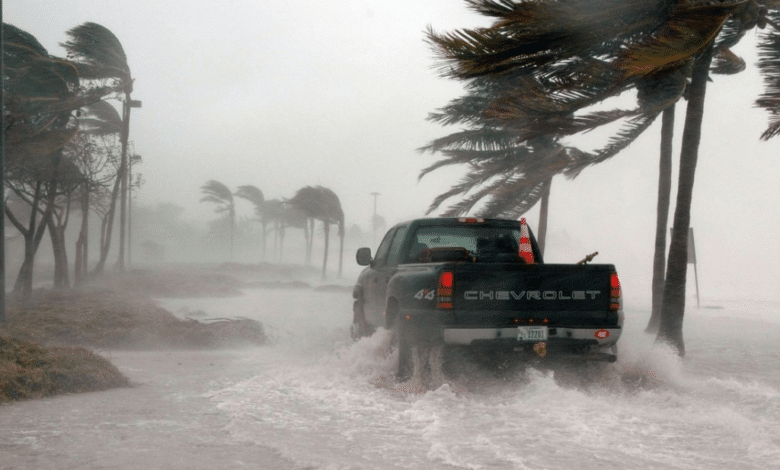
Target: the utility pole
pixel 373 219
pixel 127 105
pixel 130 207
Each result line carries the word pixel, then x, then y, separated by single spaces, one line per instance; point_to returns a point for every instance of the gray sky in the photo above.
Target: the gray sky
pixel 283 94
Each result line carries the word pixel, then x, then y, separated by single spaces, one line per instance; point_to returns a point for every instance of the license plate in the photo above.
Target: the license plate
pixel 532 333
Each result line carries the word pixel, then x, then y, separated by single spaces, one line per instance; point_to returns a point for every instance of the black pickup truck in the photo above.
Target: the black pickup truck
pixel 482 283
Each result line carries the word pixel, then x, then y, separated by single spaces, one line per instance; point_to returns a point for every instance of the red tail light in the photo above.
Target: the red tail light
pixel 615 293
pixel 444 290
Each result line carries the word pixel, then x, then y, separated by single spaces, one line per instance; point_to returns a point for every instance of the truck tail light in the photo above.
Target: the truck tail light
pixel 615 294
pixel 444 290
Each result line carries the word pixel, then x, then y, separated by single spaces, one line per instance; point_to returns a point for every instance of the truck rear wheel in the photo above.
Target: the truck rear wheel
pixel 401 343
pixel 360 327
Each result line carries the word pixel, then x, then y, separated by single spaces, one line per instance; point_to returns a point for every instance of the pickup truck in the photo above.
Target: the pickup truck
pixel 482 284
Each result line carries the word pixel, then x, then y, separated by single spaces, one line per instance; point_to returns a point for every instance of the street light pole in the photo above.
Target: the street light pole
pixel 373 219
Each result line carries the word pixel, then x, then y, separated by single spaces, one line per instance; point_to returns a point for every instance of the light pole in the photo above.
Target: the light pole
pixel 136 158
pixel 373 219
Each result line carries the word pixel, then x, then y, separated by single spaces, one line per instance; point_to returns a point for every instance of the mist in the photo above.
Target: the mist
pixel 282 96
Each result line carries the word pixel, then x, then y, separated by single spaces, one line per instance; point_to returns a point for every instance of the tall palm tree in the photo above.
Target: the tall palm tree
pixel 320 203
pixel 724 63
pixel 254 195
pixel 334 214
pixel 218 193
pixel 99 55
pixel 634 44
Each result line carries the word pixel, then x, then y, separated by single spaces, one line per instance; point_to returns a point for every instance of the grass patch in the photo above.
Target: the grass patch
pixel 29 370
pixel 46 341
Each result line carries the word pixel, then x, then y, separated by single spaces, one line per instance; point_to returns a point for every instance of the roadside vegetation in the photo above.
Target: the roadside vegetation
pixel 51 343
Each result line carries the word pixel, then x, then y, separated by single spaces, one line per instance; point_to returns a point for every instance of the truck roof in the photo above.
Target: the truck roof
pixel 449 221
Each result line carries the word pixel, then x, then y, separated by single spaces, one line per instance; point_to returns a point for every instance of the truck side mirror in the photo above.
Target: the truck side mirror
pixel 363 256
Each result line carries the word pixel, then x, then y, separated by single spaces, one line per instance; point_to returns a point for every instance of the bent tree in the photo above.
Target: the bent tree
pixel 581 55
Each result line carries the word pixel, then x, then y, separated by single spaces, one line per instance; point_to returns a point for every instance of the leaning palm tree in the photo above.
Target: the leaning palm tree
pixel 511 165
pixel 569 47
pixel 319 203
pixel 218 193
pixel 100 56
pixel 334 214
pixel 254 195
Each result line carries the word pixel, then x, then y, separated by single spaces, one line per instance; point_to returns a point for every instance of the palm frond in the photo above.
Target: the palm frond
pixel 726 62
pixel 617 143
pixel 252 194
pixel 769 67
pixel 513 198
pixel 100 118
pixel 98 52
pixel 481 138
pixel 217 192
pixel 689 30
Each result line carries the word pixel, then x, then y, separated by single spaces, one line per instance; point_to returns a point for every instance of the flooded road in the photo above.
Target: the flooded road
pixel 313 399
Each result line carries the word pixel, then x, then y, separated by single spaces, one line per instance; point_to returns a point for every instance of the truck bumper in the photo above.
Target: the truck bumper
pixel 570 343
pixel 575 342
pixel 602 337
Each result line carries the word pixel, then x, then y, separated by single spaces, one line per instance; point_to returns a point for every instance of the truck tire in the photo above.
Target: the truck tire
pixel 360 327
pixel 401 343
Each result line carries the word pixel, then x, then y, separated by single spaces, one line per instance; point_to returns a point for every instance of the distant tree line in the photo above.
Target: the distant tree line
pixel 308 205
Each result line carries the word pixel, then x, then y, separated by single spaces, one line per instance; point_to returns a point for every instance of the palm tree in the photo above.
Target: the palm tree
pixel 218 193
pixel 254 195
pixel 644 45
pixel 99 55
pixel 511 166
pixel 321 204
pixel 724 63
pixel 333 214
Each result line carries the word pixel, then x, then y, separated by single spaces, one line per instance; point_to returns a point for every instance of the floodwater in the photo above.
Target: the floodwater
pixel 313 399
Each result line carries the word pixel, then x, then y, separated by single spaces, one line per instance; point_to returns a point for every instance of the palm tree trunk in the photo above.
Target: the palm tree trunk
pixel 232 231
pixel 265 235
pixel 662 217
pixel 108 225
pixel 310 241
pixel 670 329
pixel 325 256
pixel 341 247
pixel 543 210
pixel 80 263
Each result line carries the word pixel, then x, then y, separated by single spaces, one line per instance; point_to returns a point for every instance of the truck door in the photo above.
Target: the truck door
pixel 385 265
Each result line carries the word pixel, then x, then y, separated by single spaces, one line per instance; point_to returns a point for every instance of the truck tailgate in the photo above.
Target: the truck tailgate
pixel 560 293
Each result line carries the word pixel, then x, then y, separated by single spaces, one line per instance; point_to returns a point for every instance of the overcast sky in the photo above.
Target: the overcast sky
pixel 281 94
